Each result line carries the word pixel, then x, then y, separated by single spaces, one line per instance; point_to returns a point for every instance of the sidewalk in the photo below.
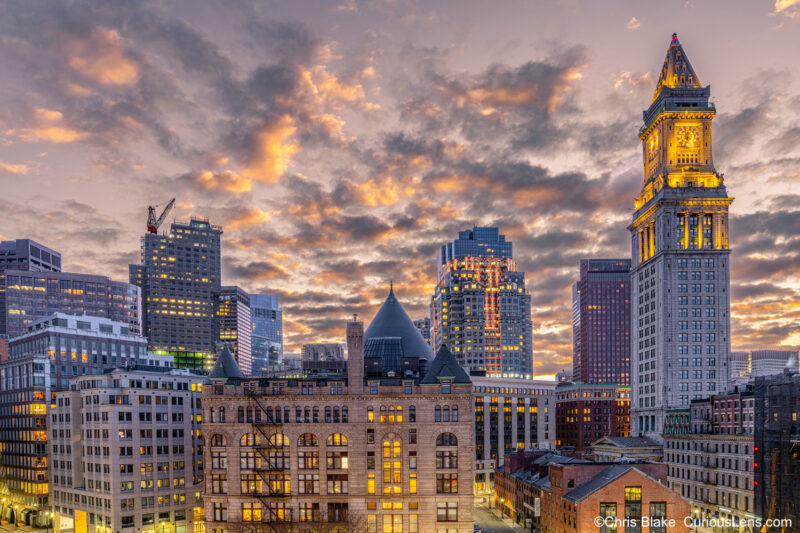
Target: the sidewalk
pixel 12 527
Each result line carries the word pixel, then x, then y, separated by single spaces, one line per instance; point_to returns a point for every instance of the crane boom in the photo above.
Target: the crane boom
pixel 153 223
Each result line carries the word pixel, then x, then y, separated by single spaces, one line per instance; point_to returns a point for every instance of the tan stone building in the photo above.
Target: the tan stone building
pixel 385 447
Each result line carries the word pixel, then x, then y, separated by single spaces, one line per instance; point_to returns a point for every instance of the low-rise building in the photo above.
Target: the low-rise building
pixel 626 448
pixel 127 452
pixel 586 412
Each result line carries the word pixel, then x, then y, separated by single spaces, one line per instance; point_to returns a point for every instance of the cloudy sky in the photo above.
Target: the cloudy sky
pixel 340 144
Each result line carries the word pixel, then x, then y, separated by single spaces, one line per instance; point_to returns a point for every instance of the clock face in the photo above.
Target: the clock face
pixel 688 137
pixel 652 146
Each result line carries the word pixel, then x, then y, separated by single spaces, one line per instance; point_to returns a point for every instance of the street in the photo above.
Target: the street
pixel 491 524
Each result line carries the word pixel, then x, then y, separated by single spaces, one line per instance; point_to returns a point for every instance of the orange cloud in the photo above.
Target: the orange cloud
pixel 627 78
pixel 382 192
pixel 226 181
pixel 782 5
pixel 102 58
pixel 7 168
pixel 633 24
pixel 48 127
pixel 273 151
pixel 324 88
pixel 252 216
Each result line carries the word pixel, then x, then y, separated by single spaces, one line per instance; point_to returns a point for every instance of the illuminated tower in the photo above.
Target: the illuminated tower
pixel 680 298
pixel 480 308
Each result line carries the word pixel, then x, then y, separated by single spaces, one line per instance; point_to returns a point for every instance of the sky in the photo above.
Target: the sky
pixel 340 144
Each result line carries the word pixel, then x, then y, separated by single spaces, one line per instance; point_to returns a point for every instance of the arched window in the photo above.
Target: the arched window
pixel 344 415
pixel 286 417
pixel 278 440
pixel 307 415
pixel 316 414
pixel 392 469
pixel 335 415
pixel 249 412
pixel 328 414
pixel 219 440
pixel 446 414
pixel 298 415
pixel 383 413
pixel 454 411
pixel 391 413
pixel 336 439
pixel 307 439
pixel 270 417
pixel 249 439
pixel 240 413
pixel 212 420
pixel 412 414
pixel 399 413
pixel 446 439
pixel 437 414
pixel 222 415
pixel 258 415
pixel 370 414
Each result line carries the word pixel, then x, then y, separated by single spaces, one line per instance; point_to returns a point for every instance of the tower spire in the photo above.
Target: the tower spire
pixel 677 72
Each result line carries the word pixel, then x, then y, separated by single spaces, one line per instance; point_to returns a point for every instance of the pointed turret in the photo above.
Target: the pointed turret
pixel 677 72
pixel 445 367
pixel 225 366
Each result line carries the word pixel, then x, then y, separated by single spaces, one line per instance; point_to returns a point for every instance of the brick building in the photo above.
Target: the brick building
pixel 587 412
pixel 375 449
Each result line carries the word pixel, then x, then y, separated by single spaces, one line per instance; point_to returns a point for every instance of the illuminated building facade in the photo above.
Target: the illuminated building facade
pixel 680 276
pixel 27 255
pixel 424 327
pixel 266 335
pixel 588 412
pixel 127 453
pixel 232 309
pixel 385 446
pixel 179 275
pixel 480 308
pixel 601 322
pixel 31 296
pixel 41 362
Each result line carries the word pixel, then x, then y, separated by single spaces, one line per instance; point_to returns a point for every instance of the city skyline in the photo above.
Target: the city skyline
pixel 344 143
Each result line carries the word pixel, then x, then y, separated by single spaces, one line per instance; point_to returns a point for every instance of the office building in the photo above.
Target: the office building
pixel 25 255
pixel 510 415
pixel 179 276
pixel 748 365
pixel 41 362
pixel 332 351
pixel 586 412
pixel 377 449
pixel 31 296
pixel 601 322
pixel 424 327
pixel 547 492
pixel 710 459
pixel 680 276
pixel 480 308
pixel 127 452
pixel 234 324
pixel 266 337
pixel 777 449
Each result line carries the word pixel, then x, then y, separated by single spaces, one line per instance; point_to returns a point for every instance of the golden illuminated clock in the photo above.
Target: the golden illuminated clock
pixel 688 137
pixel 652 146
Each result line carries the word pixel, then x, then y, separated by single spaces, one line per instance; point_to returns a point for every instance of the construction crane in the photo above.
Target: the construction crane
pixel 152 222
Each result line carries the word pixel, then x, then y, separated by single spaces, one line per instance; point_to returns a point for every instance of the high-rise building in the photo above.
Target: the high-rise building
pixel 41 362
pixel 480 308
pixel 424 327
pixel 232 309
pixel 586 412
pixel 31 296
pixel 179 275
pixel 680 276
pixel 387 446
pixel 127 452
pixel 266 338
pixel 27 255
pixel 332 351
pixel 601 322
pixel 777 450
pixel 748 365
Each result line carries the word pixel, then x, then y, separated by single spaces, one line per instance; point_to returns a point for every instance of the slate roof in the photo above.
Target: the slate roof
pixel 444 365
pixel 597 482
pixel 225 366
pixel 629 442
pixel 677 72
pixel 392 322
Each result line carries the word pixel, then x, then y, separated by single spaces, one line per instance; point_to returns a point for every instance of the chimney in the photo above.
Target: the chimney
pixel 355 356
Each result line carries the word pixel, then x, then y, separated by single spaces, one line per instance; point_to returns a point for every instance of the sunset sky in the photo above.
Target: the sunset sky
pixel 339 145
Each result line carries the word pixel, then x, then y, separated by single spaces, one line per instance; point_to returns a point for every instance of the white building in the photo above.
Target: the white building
pixel 748 365
pixel 126 454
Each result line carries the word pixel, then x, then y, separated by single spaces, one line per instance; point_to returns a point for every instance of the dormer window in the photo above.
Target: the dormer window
pixel 446 387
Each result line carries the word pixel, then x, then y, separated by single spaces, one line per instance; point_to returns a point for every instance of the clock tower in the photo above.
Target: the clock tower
pixel 680 256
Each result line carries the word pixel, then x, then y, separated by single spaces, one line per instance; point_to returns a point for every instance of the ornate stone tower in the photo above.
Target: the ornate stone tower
pixel 680 278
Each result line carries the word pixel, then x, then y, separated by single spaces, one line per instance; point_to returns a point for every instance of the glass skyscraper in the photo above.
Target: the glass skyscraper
pixel 266 336
pixel 481 310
